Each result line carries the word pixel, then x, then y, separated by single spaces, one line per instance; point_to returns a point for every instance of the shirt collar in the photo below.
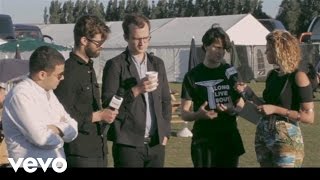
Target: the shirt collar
pixel 80 60
pixel 39 89
pixel 144 62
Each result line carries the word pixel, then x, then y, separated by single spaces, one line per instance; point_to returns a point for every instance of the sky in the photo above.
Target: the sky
pixel 31 11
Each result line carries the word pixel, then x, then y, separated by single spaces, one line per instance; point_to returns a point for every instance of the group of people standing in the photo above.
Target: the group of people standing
pixel 58 110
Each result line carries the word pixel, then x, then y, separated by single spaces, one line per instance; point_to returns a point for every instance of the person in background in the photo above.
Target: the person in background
pixel 79 93
pixel 3 148
pixel 35 124
pixel 216 141
pixel 287 102
pixel 142 128
pixel 2 93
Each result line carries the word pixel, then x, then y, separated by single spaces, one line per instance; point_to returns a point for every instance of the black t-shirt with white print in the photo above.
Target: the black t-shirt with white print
pixel 197 84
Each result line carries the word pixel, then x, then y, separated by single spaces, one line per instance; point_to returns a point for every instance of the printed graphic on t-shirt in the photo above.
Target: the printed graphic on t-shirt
pixel 217 92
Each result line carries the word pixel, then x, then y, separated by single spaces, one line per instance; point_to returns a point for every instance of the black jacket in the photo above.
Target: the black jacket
pixel 129 126
pixel 80 96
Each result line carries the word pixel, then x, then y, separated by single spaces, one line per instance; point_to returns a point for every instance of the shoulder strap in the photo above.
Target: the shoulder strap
pixel 285 86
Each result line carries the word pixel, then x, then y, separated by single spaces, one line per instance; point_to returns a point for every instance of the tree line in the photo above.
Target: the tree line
pixel 296 15
pixel 115 10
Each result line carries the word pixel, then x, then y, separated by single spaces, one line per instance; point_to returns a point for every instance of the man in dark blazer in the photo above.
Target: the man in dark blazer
pixel 142 127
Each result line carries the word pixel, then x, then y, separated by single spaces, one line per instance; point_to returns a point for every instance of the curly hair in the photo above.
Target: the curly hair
pixel 286 48
pixel 88 26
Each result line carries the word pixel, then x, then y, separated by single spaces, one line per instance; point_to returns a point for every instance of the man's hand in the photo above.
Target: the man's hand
pixel 205 114
pixel 55 130
pixel 145 85
pixel 109 115
pixel 240 87
pixel 165 140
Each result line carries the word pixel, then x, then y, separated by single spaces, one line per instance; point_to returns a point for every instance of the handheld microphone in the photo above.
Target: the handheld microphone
pixel 117 99
pixel 232 74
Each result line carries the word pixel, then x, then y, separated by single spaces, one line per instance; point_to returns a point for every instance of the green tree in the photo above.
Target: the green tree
pixel 180 8
pixel 139 6
pixel 67 12
pixel 189 9
pixel 289 15
pixel 55 11
pixel 153 11
pixel 309 10
pixel 130 6
pixel 122 9
pixel 115 13
pixel 91 6
pixel 77 11
pixel 258 13
pixel 101 12
pixel 162 11
pixel 45 15
pixel 108 14
pixel 145 8
pixel 171 9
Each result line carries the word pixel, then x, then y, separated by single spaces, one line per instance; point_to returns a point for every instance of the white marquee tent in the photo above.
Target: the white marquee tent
pixel 170 38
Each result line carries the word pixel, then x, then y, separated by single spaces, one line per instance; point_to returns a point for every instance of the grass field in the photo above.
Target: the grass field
pixel 178 148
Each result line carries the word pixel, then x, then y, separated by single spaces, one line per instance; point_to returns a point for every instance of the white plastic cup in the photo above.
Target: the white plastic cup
pixel 153 77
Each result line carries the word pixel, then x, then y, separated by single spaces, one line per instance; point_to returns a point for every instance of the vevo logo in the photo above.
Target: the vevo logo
pixel 30 165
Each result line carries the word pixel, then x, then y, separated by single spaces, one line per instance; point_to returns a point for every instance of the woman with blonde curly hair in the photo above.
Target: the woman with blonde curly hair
pixel 287 100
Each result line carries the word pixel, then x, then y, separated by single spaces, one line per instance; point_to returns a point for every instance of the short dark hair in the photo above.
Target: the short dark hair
pixel 215 33
pixel 136 19
pixel 88 26
pixel 45 58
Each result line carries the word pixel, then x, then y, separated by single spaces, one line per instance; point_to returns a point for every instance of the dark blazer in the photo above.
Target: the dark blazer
pixel 129 126
pixel 80 96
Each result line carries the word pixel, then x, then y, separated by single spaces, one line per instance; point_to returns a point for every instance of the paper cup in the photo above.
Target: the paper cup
pixel 153 77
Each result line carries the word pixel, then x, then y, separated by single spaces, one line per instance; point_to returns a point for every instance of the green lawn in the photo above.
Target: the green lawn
pixel 178 148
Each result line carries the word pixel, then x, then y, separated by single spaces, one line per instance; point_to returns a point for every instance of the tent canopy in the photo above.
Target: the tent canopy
pixel 170 39
pixel 243 29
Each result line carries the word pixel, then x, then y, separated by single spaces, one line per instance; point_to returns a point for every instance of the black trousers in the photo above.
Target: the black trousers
pixel 205 155
pixel 77 161
pixel 145 156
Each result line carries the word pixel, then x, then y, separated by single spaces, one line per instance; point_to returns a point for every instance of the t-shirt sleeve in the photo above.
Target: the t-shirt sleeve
pixel 186 88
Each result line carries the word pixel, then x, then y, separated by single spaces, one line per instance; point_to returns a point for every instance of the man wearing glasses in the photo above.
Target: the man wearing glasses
pixel 35 124
pixel 80 95
pixel 142 128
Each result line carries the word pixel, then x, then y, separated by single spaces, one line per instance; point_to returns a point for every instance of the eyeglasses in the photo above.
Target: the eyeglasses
pixel 144 39
pixel 95 42
pixel 59 76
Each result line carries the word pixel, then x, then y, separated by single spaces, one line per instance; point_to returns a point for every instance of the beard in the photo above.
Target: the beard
pixel 91 53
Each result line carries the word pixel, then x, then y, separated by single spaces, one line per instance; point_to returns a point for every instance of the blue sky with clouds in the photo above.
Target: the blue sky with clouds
pixel 31 11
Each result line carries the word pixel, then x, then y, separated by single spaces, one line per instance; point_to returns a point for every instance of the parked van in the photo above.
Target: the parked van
pixel 23 31
pixel 6 27
pixel 272 24
pixel 314 28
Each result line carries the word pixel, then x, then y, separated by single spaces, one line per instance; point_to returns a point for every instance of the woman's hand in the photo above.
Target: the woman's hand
pixel 267 109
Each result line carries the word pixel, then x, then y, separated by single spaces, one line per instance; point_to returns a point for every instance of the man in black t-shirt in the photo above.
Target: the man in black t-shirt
pixel 209 88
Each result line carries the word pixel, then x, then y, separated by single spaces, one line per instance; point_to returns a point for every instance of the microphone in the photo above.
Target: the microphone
pixel 114 104
pixel 117 99
pixel 232 74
